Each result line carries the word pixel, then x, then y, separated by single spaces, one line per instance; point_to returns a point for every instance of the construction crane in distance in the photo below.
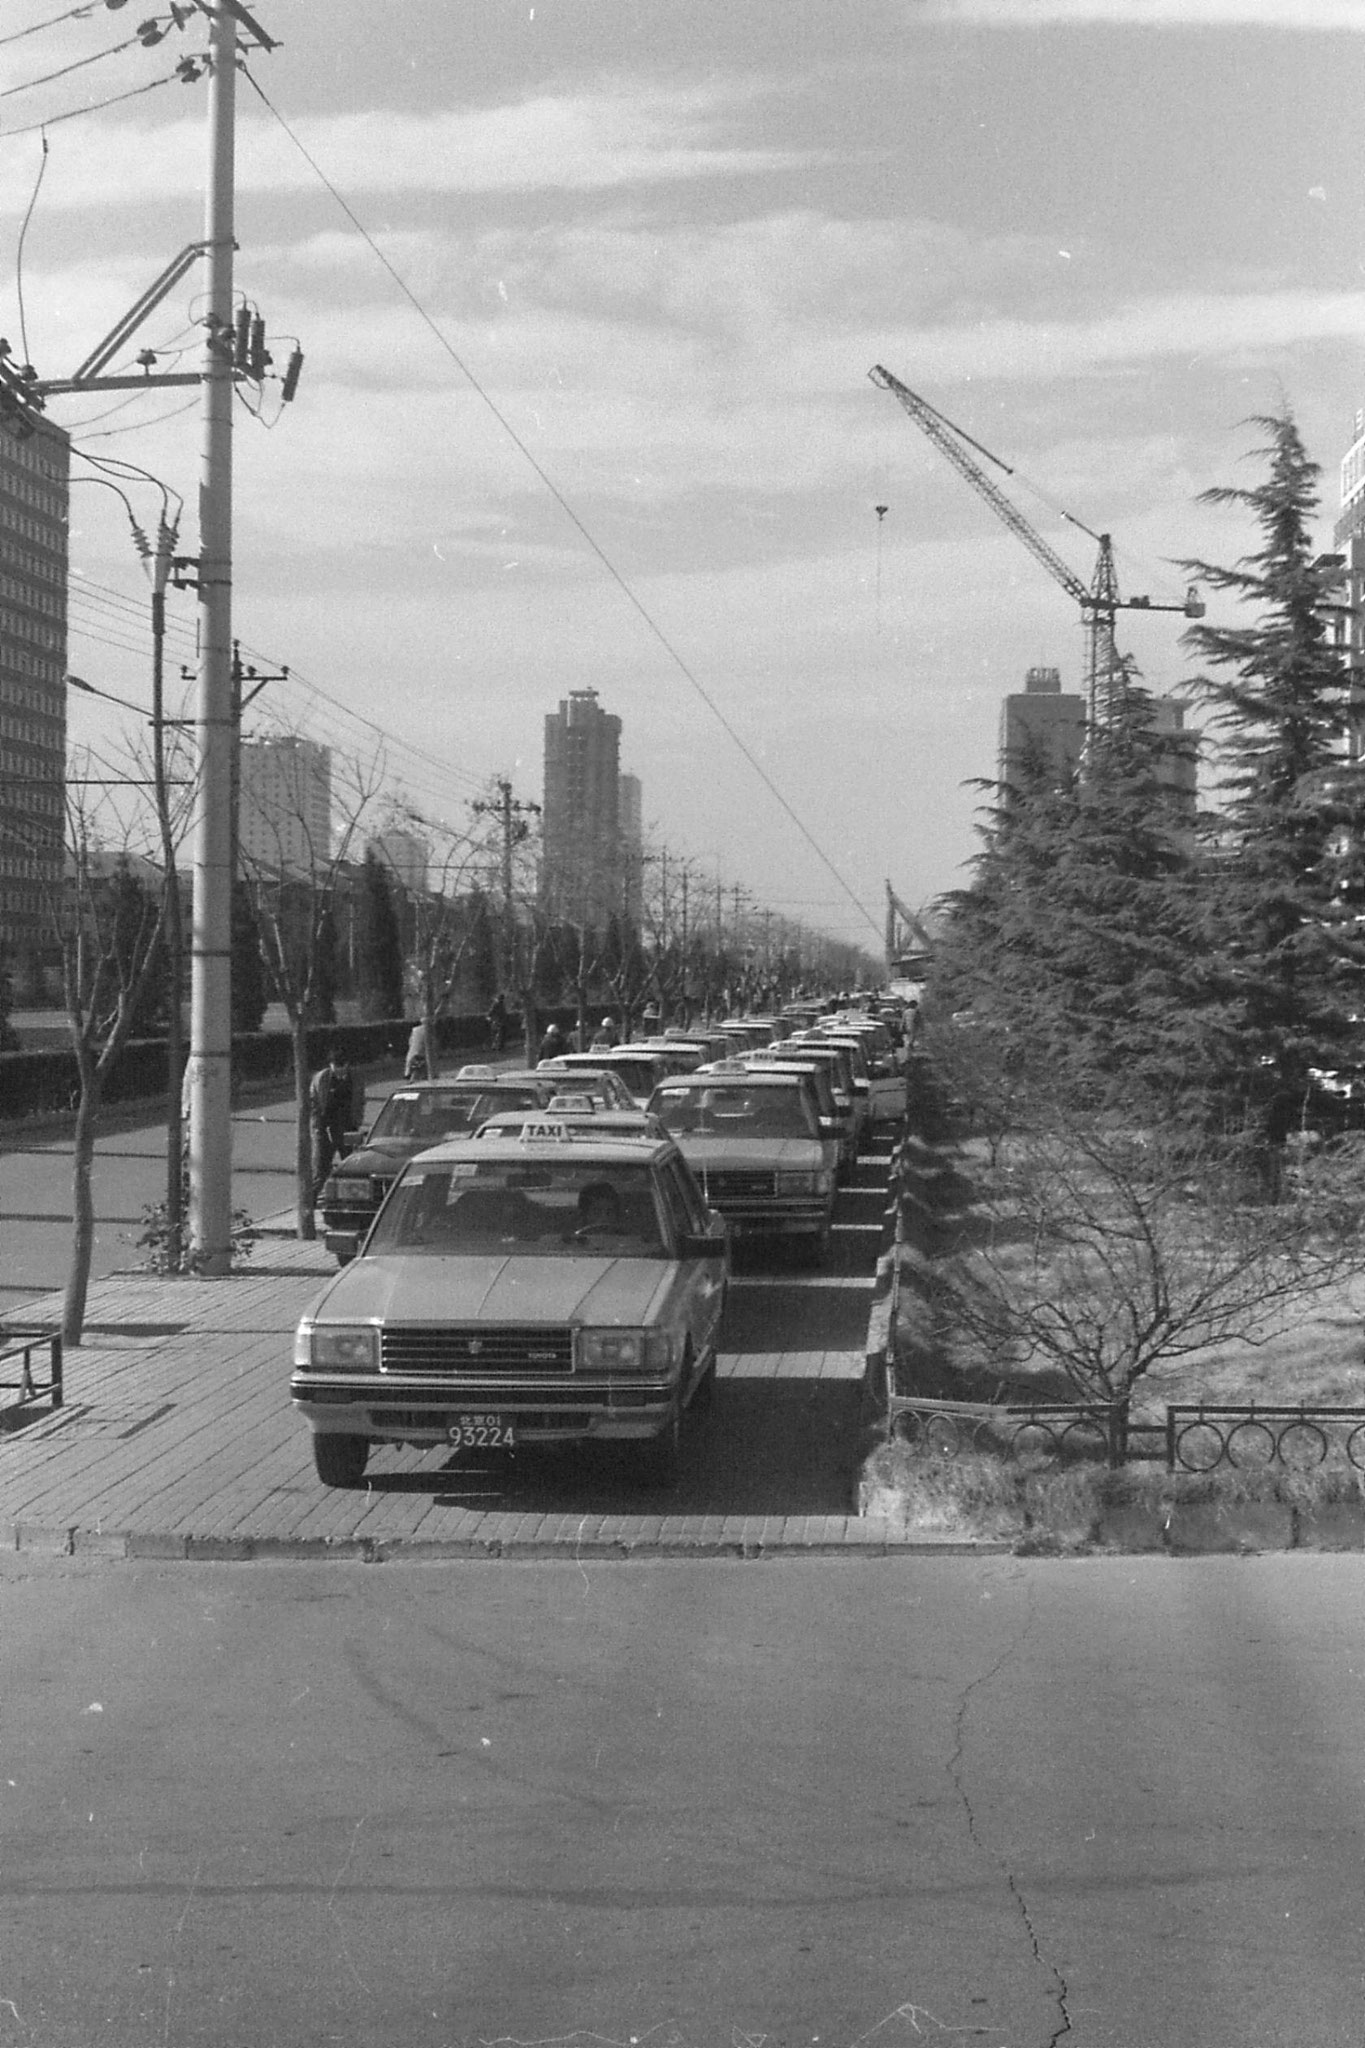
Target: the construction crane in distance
pixel 1099 602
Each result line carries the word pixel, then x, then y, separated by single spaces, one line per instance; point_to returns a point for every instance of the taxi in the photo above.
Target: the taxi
pixel 556 1284
pixel 758 1144
pixel 414 1118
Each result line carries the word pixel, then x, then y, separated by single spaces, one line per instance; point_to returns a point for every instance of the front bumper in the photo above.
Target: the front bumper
pixel 424 1413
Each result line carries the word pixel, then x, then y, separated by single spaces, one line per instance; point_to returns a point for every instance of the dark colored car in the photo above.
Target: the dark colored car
pixel 415 1117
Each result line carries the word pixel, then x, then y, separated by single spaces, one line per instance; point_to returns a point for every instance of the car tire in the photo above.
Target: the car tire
pixel 340 1460
pixel 817 1250
pixel 705 1395
pixel 660 1460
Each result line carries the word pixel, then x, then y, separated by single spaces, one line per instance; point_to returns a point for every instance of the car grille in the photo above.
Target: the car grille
pixel 476 1351
pixel 731 1186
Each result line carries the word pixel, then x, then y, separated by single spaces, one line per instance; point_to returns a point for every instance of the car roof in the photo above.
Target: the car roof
pixel 737 1076
pixel 544 1137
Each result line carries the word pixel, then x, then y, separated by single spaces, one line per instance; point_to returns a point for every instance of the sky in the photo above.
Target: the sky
pixel 588 313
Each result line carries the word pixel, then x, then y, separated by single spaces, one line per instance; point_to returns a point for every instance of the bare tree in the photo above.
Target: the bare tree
pixel 446 918
pixel 293 856
pixel 1102 1250
pixel 108 912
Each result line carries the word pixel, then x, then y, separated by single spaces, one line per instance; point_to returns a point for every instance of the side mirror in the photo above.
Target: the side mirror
pixel 702 1245
pixel 343 1245
pixel 830 1126
pixel 351 1141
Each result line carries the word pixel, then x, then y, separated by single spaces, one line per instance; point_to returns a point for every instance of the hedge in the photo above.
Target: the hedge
pixel 46 1082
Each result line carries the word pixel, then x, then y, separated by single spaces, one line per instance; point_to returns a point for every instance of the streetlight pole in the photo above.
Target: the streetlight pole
pixel 211 941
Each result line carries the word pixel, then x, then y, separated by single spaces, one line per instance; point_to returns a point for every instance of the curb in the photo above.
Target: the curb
pixel 138 1547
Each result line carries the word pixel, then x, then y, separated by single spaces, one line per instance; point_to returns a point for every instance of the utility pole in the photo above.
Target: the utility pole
pixel 512 812
pixel 211 938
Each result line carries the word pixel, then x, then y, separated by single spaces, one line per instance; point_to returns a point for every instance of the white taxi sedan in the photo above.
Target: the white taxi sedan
pixel 556 1284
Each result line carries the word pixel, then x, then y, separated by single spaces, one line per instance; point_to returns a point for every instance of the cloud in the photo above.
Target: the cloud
pixel 622 136
pixel 1283 14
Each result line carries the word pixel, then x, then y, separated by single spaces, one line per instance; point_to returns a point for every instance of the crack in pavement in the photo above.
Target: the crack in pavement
pixel 956 1765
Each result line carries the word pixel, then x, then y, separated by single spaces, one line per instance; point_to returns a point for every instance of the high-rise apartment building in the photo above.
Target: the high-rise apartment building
pixel 581 868
pixel 631 807
pixel 34 499
pixel 1045 726
pixel 284 820
pixel 406 856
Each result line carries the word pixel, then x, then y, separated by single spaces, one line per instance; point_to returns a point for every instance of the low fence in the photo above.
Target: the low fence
pixel 18 1350
pixel 1194 1437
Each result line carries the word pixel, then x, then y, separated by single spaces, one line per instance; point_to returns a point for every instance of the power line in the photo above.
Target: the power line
pixel 636 603
pixel 36 27
pixel 80 64
pixel 96 107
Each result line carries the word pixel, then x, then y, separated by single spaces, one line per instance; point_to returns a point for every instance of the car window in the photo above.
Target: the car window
pixel 558 1209
pixel 684 1198
pixel 732 1110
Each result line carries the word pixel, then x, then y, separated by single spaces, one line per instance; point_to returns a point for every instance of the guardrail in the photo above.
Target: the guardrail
pixel 1201 1436
pixel 22 1345
pixel 1195 1436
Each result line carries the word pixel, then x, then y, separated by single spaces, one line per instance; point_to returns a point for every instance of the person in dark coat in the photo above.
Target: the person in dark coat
pixel 497 1022
pixel 552 1044
pixel 332 1111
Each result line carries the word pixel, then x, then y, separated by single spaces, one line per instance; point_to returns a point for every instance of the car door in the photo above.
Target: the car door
pixel 702 1282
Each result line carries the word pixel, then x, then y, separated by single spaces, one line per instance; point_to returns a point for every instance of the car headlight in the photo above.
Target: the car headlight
pixel 349 1190
pixel 625 1350
pixel 337 1347
pixel 803 1183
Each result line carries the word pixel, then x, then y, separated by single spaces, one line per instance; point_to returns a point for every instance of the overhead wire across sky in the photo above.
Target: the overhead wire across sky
pixel 115 624
pixel 627 590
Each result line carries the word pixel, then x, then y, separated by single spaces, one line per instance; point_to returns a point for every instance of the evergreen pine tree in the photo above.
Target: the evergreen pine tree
pixel 380 951
pixel 1279 939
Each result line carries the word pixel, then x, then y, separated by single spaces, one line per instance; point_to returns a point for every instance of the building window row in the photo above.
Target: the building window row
pixel 20 662
pixel 31 529
pixel 37 597
pixel 47 699
pixel 44 497
pixel 37 733
pixel 20 628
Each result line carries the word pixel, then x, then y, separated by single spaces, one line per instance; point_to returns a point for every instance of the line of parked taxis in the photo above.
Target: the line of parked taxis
pixel 543 1256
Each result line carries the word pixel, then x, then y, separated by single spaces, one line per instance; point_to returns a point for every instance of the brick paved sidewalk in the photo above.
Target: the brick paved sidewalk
pixel 177 1440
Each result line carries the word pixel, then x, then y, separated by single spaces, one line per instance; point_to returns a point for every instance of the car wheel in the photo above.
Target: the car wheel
pixel 705 1395
pixel 340 1460
pixel 660 1460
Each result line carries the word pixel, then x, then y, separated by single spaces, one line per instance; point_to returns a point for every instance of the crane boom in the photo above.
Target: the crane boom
pixel 948 440
pixel 1099 602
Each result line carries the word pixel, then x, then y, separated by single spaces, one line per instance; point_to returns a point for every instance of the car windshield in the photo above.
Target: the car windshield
pixel 436 1113
pixel 571 1208
pixel 736 1111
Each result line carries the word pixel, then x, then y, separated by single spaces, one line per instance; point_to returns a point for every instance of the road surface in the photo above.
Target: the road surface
pixel 1008 1802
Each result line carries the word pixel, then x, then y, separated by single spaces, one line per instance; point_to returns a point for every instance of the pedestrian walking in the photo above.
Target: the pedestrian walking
pixel 552 1044
pixel 497 1022
pixel 415 1066
pixel 331 1112
pixel 606 1037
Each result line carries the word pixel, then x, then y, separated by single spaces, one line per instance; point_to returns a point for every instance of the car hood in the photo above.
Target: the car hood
pixel 385 1155
pixel 397 1288
pixel 757 1155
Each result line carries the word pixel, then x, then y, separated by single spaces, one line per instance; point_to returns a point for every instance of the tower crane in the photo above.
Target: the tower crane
pixel 1099 602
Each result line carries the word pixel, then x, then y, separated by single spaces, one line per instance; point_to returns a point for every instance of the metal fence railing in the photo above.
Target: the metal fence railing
pixel 18 1351
pixel 1195 1436
pixel 1200 1437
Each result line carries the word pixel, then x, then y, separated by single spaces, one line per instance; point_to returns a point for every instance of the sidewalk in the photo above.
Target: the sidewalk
pixel 177 1440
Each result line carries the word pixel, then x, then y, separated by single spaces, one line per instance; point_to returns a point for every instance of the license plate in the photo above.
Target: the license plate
pixel 482 1433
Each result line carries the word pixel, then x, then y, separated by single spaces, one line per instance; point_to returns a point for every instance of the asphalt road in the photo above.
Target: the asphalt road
pixel 1013 1802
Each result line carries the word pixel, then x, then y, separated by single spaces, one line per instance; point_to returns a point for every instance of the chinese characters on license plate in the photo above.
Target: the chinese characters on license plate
pixel 482 1433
